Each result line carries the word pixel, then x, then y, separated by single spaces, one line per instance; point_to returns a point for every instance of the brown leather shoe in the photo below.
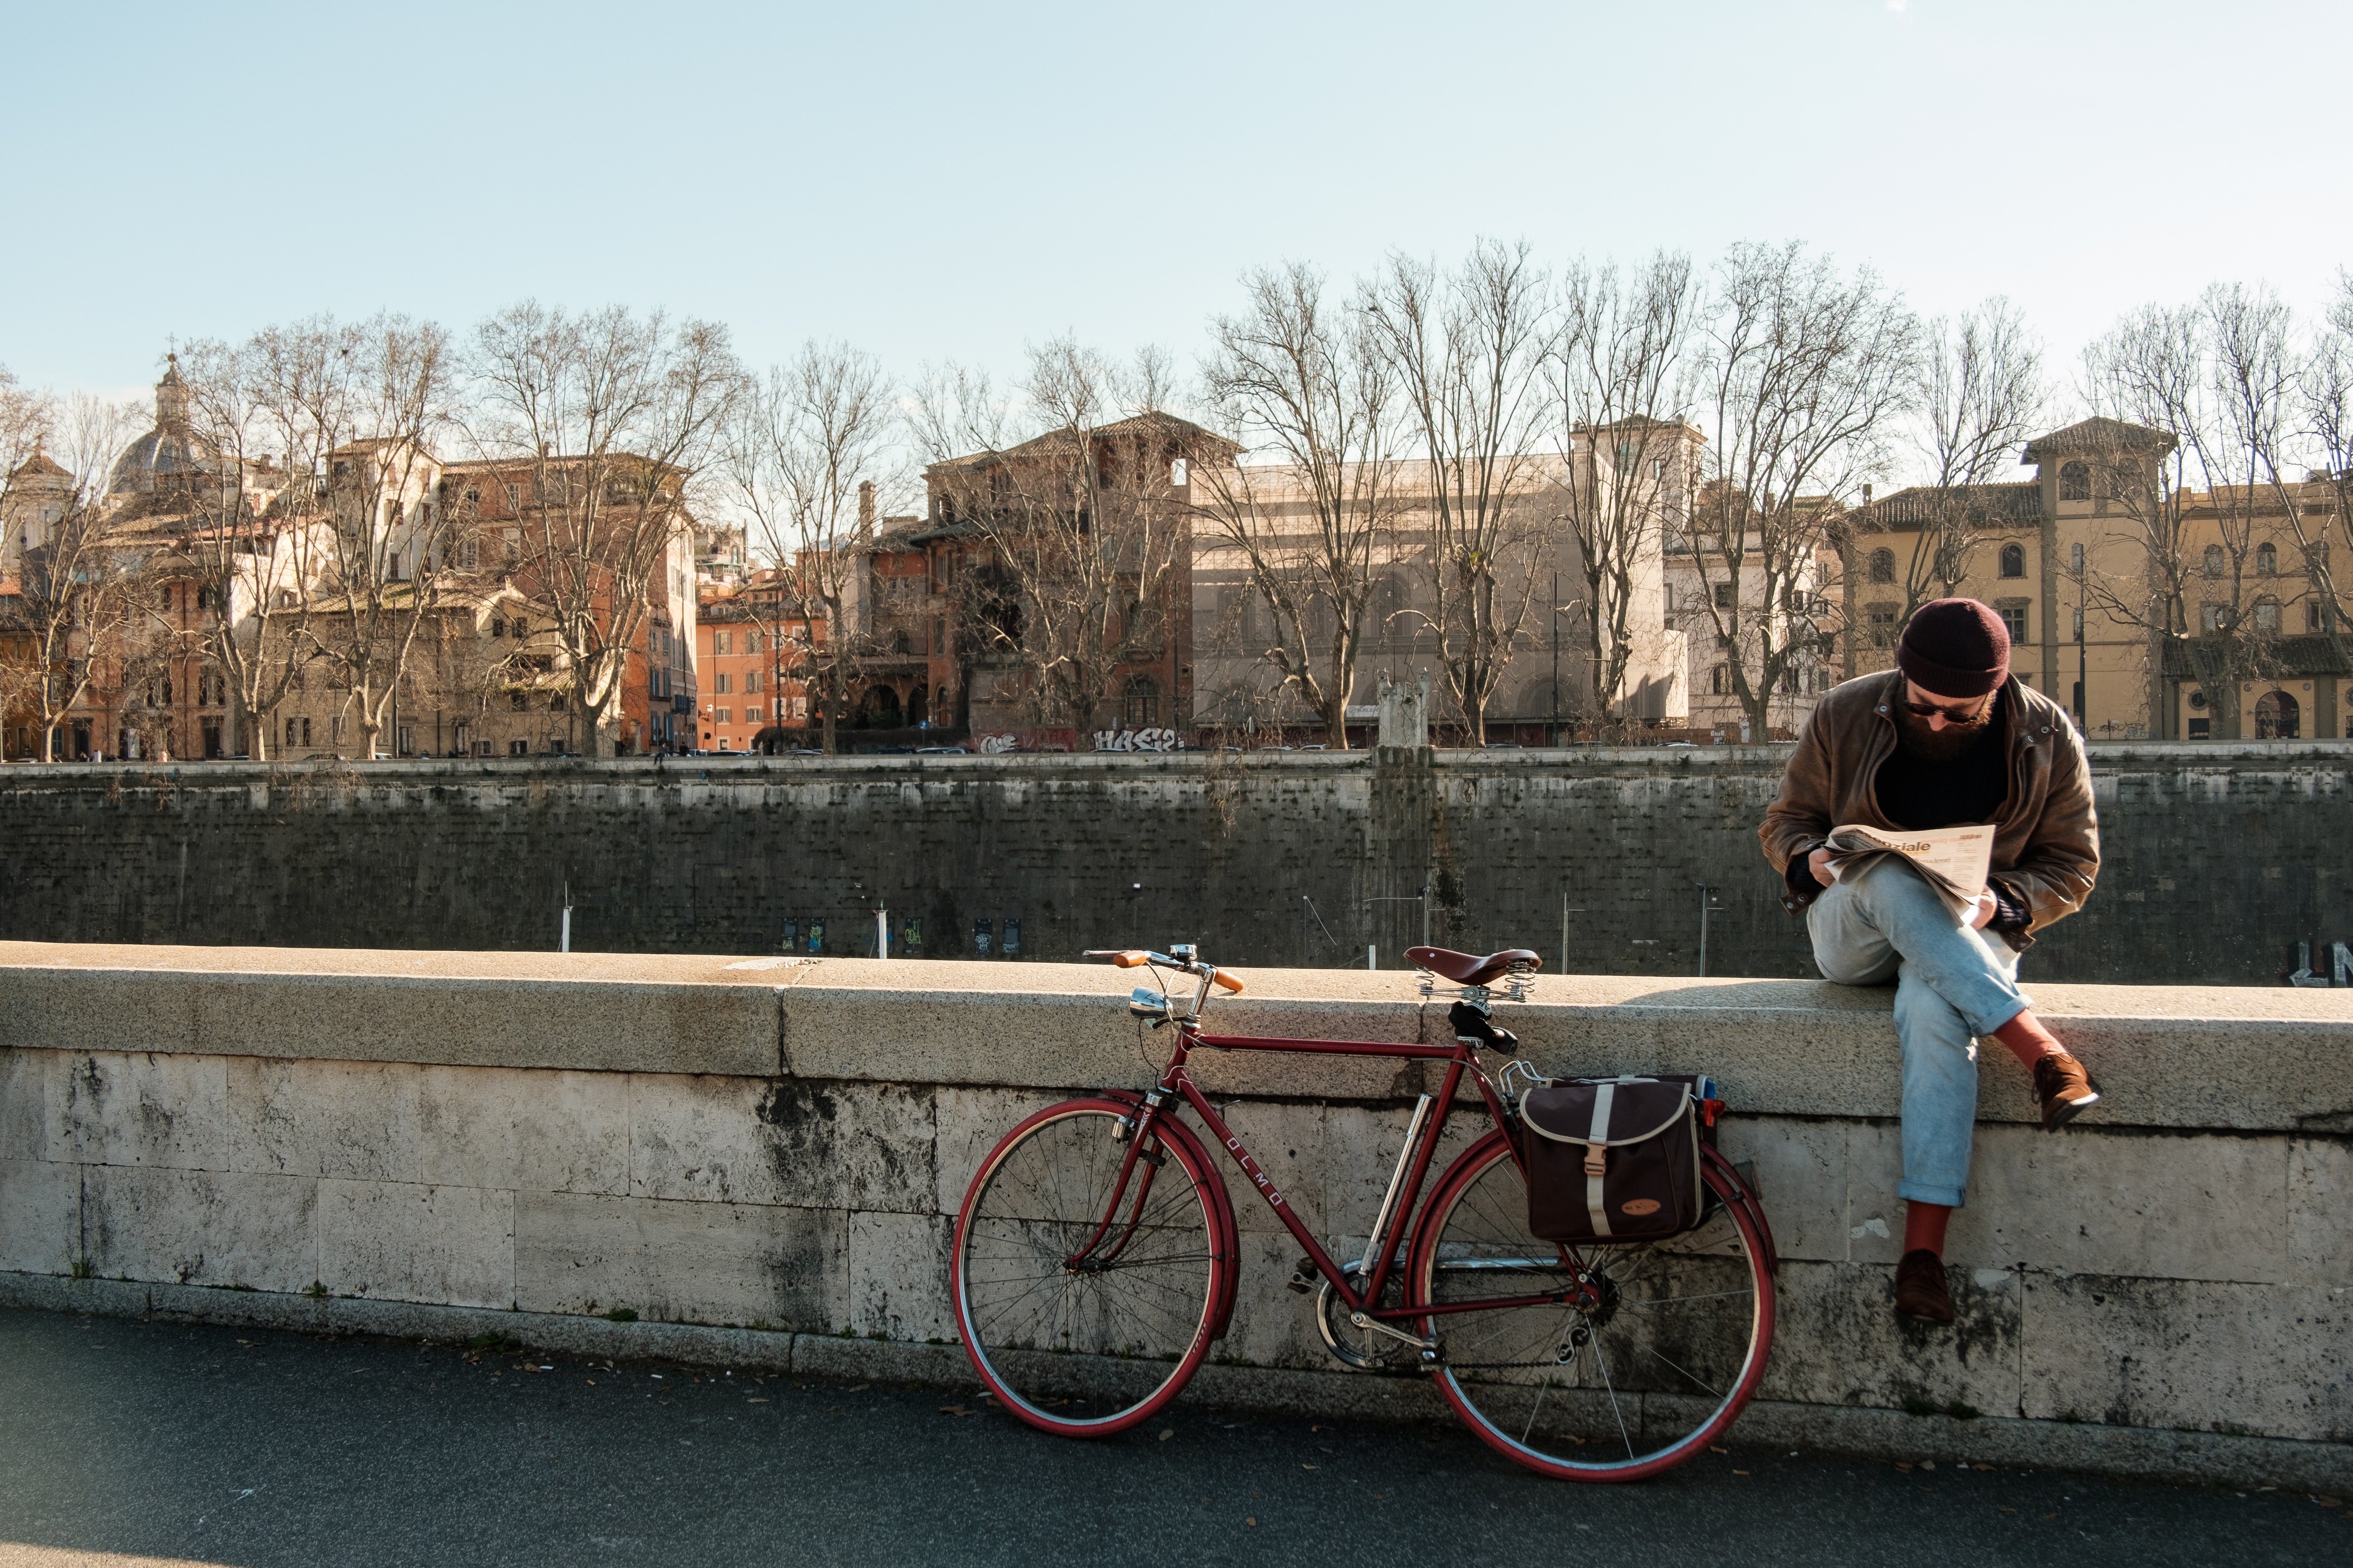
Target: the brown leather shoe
pixel 2064 1088
pixel 1920 1289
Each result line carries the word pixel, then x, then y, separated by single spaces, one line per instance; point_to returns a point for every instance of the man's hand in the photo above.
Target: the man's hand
pixel 1819 863
pixel 1987 907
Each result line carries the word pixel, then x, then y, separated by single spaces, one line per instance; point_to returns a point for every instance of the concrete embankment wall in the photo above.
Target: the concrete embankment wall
pixel 2218 858
pixel 760 1156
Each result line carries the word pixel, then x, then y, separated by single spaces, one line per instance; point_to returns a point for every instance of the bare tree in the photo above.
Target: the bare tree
pixel 1467 348
pixel 80 588
pixel 608 419
pixel 2217 382
pixel 364 403
pixel 1306 384
pixel 2327 387
pixel 1804 372
pixel 804 451
pixel 1616 373
pixel 1083 530
pixel 1981 394
pixel 26 420
pixel 247 535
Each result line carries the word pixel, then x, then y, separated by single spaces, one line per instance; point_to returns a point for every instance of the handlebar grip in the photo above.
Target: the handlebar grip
pixel 1230 982
pixel 1130 960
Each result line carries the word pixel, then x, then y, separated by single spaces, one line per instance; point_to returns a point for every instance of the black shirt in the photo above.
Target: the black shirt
pixel 1924 793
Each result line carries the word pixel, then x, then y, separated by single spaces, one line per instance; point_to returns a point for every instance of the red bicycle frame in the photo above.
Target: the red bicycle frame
pixel 1175 1081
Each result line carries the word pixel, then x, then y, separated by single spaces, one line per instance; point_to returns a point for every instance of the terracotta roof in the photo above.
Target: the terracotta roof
pixel 2018 502
pixel 39 465
pixel 2097 435
pixel 1183 430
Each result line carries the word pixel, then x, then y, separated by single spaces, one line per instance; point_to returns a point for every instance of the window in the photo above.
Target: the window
pixel 751 680
pixel 522 700
pixel 724 715
pixel 292 729
pixel 2278 717
pixel 1882 567
pixel 723 642
pixel 2013 560
pixel 1724 596
pixel 498 625
pixel 723 683
pixel 2013 616
pixel 1881 618
pixel 407 740
pixel 1141 702
pixel 2214 562
pixel 2214 618
pixel 2075 481
pixel 2267 616
pixel 752 714
pixel 1719 679
pixel 2314 618
pixel 514 498
pixel 2079 625
pixel 391 569
pixel 518 748
pixel 2075 559
pixel 2266 560
pixel 1180 473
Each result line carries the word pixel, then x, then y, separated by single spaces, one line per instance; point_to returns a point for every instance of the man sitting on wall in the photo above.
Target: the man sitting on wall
pixel 1947 737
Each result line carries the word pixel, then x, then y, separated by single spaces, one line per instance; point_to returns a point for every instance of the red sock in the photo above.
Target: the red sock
pixel 1924 1225
pixel 2028 1040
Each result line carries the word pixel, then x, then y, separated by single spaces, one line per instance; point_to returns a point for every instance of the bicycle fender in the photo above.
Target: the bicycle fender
pixel 1221 1216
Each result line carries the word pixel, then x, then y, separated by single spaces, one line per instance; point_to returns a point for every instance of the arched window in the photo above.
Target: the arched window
pixel 2075 481
pixel 2214 561
pixel 2278 717
pixel 1882 567
pixel 2013 560
pixel 2266 560
pixel 1141 702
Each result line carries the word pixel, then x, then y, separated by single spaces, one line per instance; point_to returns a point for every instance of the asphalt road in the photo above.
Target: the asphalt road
pixel 122 1443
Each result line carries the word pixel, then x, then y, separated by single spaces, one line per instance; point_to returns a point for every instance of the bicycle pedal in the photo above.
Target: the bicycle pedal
pixel 1302 1279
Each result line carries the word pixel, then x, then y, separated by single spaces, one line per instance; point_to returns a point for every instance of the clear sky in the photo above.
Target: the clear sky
pixel 937 182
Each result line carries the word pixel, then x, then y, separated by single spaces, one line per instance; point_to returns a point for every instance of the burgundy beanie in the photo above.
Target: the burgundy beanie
pixel 1955 647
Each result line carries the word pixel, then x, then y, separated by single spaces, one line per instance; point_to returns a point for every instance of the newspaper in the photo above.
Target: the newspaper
pixel 1952 861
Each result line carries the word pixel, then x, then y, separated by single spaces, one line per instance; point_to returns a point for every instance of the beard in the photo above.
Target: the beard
pixel 1945 745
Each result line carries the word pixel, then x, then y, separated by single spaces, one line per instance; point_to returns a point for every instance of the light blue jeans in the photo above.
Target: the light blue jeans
pixel 1953 986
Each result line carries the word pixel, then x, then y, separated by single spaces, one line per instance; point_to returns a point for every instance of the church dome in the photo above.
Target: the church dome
pixel 170 454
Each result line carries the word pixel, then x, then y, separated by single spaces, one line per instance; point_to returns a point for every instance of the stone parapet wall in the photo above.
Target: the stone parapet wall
pixel 2219 857
pixel 781 1145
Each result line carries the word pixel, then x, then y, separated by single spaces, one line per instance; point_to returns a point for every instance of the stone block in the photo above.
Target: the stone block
pixel 1799 1166
pixel 140 1108
pixel 357 1122
pixel 25 1103
pixel 1285 1139
pixel 2272 1361
pixel 40 1215
pixel 1272 1326
pixel 1839 1341
pixel 793 1141
pixel 970 1123
pixel 541 1131
pixel 418 1243
pixel 681 1261
pixel 610 1012
pixel 2167 1206
pixel 2320 1211
pixel 201 1227
pixel 898 1276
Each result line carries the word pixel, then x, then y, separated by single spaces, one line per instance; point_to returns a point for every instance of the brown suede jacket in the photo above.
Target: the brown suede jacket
pixel 2046 846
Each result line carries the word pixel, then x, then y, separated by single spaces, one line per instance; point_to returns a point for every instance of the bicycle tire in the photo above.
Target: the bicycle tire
pixel 1668 1346
pixel 1088 1352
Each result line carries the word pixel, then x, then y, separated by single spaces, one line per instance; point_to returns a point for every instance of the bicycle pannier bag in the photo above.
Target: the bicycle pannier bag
pixel 1612 1159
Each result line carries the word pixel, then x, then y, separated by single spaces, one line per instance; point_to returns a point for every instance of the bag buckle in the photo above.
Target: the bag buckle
pixel 1595 1155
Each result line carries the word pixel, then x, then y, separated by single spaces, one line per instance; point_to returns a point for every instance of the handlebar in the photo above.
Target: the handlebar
pixel 1184 962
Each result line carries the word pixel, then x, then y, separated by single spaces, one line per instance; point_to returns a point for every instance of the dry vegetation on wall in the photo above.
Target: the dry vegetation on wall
pixel 1474 470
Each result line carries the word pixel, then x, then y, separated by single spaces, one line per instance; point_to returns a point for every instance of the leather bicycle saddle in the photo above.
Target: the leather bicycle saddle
pixel 1464 970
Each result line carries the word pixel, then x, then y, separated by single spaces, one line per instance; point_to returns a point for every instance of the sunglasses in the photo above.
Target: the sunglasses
pixel 1951 715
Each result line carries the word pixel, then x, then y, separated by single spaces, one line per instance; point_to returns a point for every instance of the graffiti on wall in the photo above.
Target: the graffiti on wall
pixel 1137 741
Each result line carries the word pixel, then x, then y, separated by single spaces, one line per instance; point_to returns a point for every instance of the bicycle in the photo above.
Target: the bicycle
pixel 1090 1280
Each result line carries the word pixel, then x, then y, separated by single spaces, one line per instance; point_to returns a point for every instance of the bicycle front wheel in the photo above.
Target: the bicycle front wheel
pixel 1085 1304
pixel 1593 1364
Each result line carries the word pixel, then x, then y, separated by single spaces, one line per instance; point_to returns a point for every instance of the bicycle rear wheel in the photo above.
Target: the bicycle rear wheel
pixel 1082 1328
pixel 1596 1363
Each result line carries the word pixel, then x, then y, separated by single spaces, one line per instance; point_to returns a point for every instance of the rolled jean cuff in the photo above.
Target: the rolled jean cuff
pixel 1913 1192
